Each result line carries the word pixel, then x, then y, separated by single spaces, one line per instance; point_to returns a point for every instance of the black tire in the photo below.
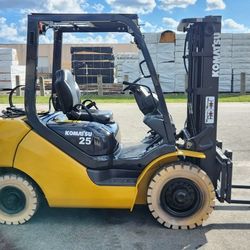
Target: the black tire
pixel 181 196
pixel 18 199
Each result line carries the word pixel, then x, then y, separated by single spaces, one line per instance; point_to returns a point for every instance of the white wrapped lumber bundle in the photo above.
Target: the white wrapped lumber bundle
pixel 8 54
pixel 179 83
pixel 167 83
pixel 152 37
pixel 225 83
pixel 235 56
pixel 8 76
pixel 9 68
pixel 126 64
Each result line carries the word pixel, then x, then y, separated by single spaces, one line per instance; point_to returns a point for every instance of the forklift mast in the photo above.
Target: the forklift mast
pixel 202 63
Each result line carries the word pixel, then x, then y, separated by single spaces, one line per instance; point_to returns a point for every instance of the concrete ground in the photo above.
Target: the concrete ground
pixel 227 228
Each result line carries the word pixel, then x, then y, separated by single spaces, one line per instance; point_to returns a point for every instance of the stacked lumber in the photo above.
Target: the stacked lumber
pixel 89 62
pixel 9 68
pixel 126 64
pixel 162 54
pixel 240 59
pixel 168 61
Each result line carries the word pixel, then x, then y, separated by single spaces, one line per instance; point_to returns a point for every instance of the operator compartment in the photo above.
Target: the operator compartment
pixel 91 130
pixel 93 138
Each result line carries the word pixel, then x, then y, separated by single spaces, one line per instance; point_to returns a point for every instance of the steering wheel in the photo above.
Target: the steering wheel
pixel 132 84
pixel 128 85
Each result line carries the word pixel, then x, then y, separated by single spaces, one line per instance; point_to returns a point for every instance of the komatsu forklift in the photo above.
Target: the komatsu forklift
pixel 73 157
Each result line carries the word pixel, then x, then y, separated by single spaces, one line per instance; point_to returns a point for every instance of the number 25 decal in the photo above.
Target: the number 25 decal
pixel 85 140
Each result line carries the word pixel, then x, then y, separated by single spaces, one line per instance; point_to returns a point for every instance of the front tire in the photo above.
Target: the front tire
pixel 18 199
pixel 181 196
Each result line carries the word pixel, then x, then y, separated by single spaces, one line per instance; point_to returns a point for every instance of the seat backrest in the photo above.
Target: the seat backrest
pixel 67 90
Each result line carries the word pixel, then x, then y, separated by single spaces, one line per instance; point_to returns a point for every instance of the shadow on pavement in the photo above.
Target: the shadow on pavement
pixel 233 208
pixel 228 226
pixel 54 228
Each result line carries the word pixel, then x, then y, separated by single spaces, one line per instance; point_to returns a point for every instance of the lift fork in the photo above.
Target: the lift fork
pixel 225 186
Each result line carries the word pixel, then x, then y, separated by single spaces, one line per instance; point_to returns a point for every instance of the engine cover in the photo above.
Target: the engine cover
pixel 93 138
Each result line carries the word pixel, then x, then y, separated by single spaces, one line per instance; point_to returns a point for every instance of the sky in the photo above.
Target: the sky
pixel 154 15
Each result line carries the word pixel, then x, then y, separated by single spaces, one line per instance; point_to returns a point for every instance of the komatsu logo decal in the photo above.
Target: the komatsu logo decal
pixel 84 137
pixel 78 133
pixel 216 55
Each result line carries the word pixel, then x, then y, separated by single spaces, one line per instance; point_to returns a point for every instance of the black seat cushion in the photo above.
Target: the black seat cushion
pixel 102 116
pixel 69 97
pixel 96 115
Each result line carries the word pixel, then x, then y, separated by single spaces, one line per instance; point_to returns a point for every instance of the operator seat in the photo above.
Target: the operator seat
pixel 68 94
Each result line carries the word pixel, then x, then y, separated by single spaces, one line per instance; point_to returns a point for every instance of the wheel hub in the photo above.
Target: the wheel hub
pixel 12 200
pixel 180 197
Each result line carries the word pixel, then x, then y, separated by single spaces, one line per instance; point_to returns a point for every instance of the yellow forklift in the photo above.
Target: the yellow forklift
pixel 72 156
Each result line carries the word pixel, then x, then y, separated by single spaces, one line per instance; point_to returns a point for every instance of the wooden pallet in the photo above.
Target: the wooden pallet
pixel 114 88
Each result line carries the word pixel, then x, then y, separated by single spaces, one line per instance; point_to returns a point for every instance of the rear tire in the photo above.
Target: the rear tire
pixel 181 196
pixel 18 199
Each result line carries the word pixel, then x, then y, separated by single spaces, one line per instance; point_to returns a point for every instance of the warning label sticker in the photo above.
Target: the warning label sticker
pixel 209 109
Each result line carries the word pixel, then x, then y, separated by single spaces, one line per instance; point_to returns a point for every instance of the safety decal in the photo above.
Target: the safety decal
pixel 209 109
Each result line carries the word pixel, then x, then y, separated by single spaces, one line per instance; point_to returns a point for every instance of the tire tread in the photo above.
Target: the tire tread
pixel 180 166
pixel 33 192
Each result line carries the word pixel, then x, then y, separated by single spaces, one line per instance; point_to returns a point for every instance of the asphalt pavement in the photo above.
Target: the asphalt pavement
pixel 227 228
